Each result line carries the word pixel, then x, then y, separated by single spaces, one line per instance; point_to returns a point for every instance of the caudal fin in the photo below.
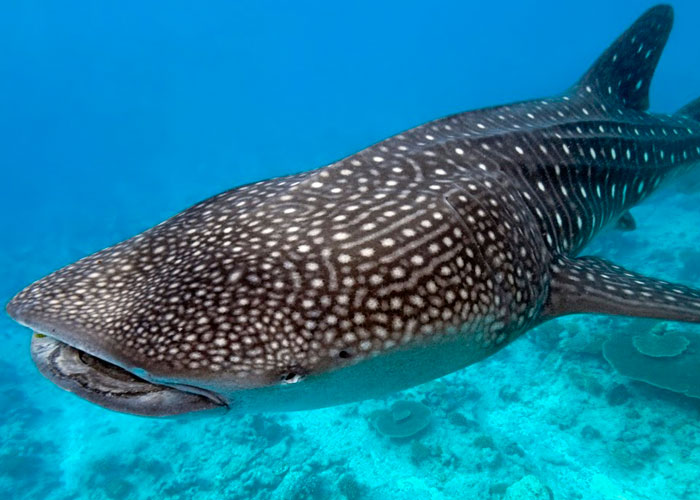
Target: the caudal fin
pixel 623 73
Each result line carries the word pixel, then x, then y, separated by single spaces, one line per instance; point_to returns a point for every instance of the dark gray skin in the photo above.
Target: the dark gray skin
pixel 413 258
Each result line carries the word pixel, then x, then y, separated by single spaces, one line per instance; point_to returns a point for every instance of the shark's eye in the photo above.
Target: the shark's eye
pixel 290 377
pixel 344 354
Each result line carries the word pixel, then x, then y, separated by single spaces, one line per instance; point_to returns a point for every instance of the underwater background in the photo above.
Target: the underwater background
pixel 116 115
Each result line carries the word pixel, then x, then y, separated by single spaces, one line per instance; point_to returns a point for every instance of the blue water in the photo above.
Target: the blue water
pixel 116 115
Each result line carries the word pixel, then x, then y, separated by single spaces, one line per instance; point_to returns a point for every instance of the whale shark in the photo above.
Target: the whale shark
pixel 411 259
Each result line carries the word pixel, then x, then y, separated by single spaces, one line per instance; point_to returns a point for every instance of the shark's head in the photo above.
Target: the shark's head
pixel 222 297
pixel 162 326
pixel 159 326
pixel 168 321
pixel 113 330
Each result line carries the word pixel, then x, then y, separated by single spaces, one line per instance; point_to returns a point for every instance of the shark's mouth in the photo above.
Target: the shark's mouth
pixel 111 386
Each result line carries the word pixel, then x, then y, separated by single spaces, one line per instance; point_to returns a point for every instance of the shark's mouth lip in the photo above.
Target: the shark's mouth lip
pixel 111 386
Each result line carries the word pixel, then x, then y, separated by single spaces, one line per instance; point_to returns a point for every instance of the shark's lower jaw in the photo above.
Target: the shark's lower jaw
pixel 111 386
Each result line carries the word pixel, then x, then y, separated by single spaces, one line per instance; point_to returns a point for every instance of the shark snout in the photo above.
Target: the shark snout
pixel 64 319
pixel 74 354
pixel 29 313
pixel 14 309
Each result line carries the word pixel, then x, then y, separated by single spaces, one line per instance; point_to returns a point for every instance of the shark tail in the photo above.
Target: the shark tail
pixel 622 74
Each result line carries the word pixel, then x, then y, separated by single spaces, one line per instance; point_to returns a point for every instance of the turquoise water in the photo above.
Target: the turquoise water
pixel 116 116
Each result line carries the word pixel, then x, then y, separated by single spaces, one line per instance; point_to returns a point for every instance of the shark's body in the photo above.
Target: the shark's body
pixel 406 261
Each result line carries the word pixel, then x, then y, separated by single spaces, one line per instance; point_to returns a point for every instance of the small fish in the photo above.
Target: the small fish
pixel 411 259
pixel 626 222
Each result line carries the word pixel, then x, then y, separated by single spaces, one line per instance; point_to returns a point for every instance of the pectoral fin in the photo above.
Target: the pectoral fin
pixel 593 285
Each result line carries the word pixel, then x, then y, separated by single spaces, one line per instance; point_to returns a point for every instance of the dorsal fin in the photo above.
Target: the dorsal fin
pixel 623 73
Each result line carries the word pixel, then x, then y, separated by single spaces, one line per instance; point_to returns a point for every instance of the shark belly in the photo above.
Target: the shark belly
pixel 368 379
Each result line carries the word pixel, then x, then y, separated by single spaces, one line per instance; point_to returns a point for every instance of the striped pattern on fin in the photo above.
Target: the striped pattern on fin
pixel 624 71
pixel 594 285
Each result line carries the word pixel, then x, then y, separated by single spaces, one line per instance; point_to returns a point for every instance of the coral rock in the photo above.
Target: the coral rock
pixel 403 420
pixel 528 488
pixel 676 373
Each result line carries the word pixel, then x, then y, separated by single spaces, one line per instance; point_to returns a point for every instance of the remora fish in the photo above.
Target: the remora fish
pixel 411 259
